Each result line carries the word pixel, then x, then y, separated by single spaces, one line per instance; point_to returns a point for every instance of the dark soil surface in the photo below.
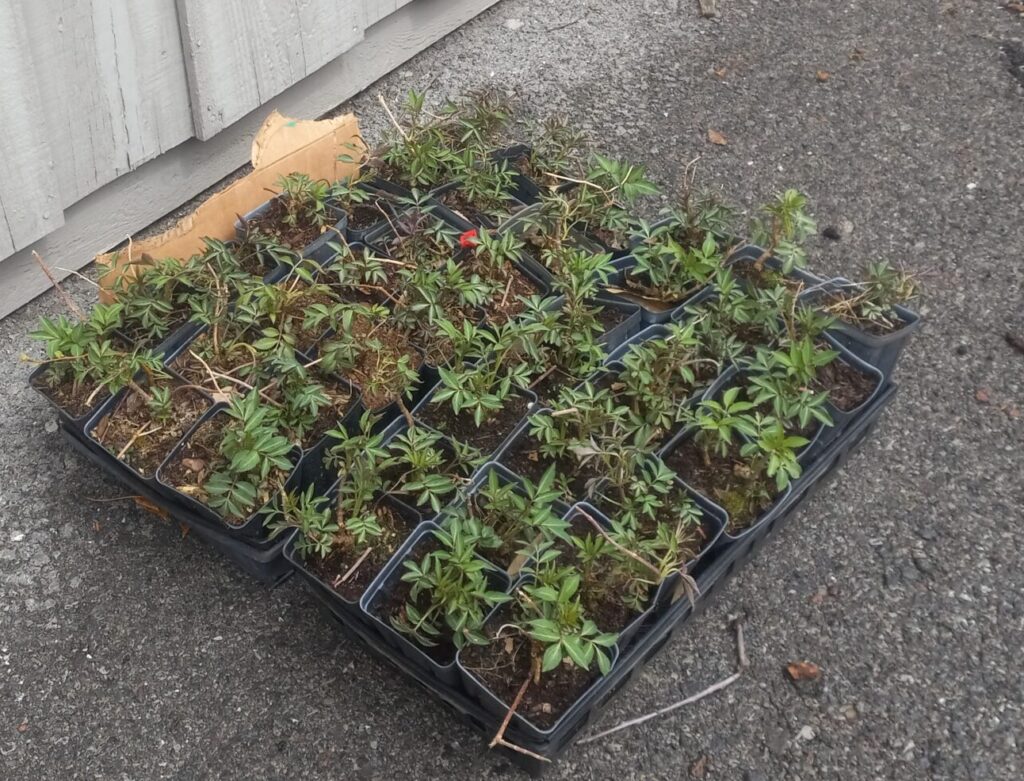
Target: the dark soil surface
pixel 524 458
pixel 337 564
pixel 462 206
pixel 75 401
pixel 363 216
pixel 504 664
pixel 126 427
pixel 295 238
pixel 725 481
pixel 228 360
pixel 463 428
pixel 847 387
pixel 610 316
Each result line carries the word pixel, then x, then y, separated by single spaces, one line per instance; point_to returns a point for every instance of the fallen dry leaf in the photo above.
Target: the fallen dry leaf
pixel 699 767
pixel 1017 8
pixel 982 395
pixel 857 55
pixel 823 76
pixel 803 671
pixel 184 529
pixel 716 138
pixel 23 727
pixel 720 71
pixel 196 465
pixel 143 503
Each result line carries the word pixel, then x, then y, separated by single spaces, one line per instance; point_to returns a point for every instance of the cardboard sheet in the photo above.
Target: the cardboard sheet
pixel 282 146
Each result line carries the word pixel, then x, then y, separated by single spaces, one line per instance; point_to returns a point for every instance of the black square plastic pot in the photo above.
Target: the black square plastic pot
pixel 880 350
pixel 484 220
pixel 110 405
pixel 252 527
pixel 319 249
pixel 527 190
pixel 387 580
pixel 377 239
pixel 519 724
pixel 383 194
pixel 576 239
pixel 750 253
pixel 651 315
pixel 322 590
pixel 779 506
pixel 73 422
pixel 531 400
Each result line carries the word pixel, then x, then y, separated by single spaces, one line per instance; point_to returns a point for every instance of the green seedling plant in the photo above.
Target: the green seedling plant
pixel 551 613
pixel 449 592
pixel 558 153
pixel 304 200
pixel 427 467
pixel 774 452
pixel 483 388
pixel 87 357
pixel 254 455
pixel 781 227
pixel 785 381
pixel 718 422
pixel 602 200
pixel 515 517
pixel 417 150
pixel 669 272
pixel 582 417
pixel 659 375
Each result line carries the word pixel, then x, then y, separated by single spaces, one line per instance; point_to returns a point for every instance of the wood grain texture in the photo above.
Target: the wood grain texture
pixel 104 219
pixel 30 205
pixel 111 78
pixel 241 53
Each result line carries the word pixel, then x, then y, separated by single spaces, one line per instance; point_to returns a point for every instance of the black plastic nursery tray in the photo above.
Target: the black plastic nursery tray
pixel 723 561
pixel 263 561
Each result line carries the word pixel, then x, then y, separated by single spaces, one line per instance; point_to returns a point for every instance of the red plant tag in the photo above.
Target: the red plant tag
pixel 468 239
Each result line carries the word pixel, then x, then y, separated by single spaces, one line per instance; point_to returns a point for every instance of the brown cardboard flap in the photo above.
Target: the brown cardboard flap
pixel 282 146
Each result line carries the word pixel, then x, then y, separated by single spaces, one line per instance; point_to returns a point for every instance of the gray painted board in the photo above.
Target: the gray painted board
pixel 111 76
pixel 30 205
pixel 241 53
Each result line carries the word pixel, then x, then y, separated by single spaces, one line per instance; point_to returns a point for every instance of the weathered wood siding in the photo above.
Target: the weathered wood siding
pixel 242 53
pixel 109 104
pixel 30 203
pixel 111 76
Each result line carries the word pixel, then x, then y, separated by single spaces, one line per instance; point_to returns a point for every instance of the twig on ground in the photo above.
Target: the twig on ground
pixel 715 687
pixel 391 116
pixel 499 738
pixel 69 302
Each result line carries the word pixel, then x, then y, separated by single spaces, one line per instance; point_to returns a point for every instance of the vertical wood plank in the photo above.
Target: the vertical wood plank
pixel 241 53
pixel 112 82
pixel 30 205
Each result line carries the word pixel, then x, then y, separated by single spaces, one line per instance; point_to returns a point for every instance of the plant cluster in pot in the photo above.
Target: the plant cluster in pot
pixel 871 317
pixel 303 218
